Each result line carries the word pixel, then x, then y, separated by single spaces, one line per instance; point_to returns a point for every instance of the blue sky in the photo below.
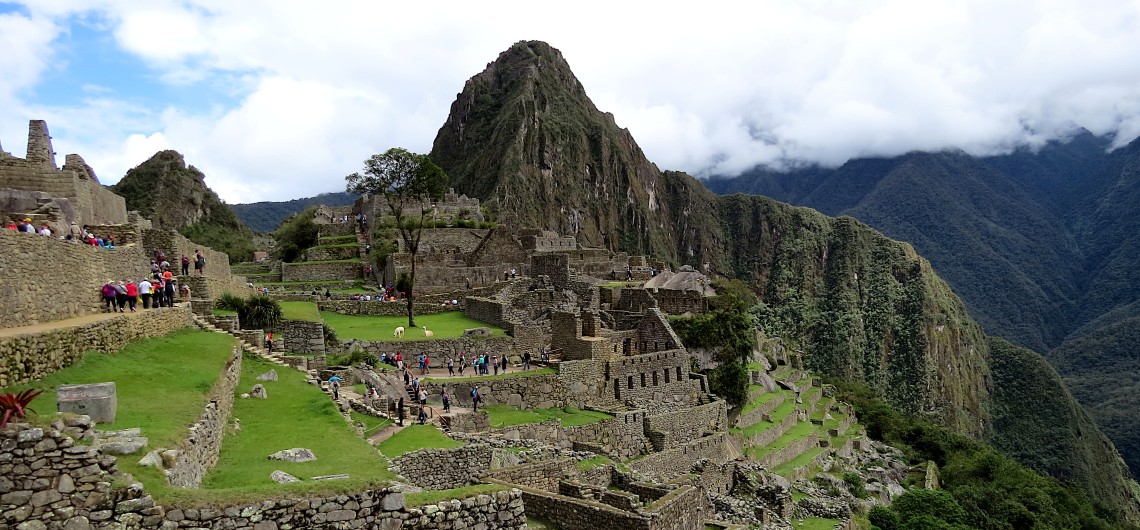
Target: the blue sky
pixel 275 99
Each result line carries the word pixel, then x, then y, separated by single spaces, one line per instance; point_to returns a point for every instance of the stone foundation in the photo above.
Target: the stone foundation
pixel 198 453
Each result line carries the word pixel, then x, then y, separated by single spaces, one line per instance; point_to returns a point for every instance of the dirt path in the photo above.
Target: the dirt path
pixel 67 323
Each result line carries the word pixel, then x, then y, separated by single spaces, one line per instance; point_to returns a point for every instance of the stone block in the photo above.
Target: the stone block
pixel 296 454
pixel 97 400
pixel 477 332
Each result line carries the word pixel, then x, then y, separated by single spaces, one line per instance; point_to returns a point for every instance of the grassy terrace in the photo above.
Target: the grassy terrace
pixel 296 414
pixel 180 367
pixel 300 311
pixel 778 414
pixel 449 325
pixel 314 282
pixel 326 240
pixel 761 399
pixel 415 437
pixel 799 431
pixel 334 243
pixel 350 260
pixel 504 416
pixel 513 373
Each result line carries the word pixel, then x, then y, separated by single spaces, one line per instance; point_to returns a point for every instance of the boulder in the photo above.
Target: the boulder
pixel 258 391
pixel 477 332
pixel 282 477
pixel 330 477
pixel 296 454
pixel 152 459
pixel 271 375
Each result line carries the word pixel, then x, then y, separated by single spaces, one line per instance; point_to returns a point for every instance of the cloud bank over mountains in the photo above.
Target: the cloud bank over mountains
pixel 277 100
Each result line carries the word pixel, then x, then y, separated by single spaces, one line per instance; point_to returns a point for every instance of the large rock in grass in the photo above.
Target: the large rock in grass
pixel 477 332
pixel 258 392
pixel 271 375
pixel 296 454
pixel 282 477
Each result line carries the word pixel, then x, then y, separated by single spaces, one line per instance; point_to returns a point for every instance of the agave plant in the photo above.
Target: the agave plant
pixel 259 312
pixel 16 405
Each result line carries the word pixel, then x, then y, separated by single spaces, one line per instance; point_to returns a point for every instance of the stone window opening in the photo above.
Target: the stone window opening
pixel 666 376
pixel 678 373
pixel 629 381
pixel 642 379
pixel 656 382
pixel 617 389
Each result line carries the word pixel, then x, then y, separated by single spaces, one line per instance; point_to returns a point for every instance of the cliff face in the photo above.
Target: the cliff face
pixel 174 196
pixel 860 306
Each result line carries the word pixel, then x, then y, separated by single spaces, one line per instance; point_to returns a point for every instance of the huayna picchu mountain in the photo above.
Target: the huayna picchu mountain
pixel 174 196
pixel 523 134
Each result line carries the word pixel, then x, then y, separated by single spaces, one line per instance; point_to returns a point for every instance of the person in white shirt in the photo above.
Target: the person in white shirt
pixel 145 290
pixel 44 230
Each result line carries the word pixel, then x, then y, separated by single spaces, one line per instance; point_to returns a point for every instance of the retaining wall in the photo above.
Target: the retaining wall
pixel 321 271
pixel 381 308
pixel 440 469
pixel 300 336
pixel 33 355
pixel 71 487
pixel 677 461
pixel 198 453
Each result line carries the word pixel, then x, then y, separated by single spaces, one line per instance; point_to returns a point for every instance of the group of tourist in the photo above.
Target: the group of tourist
pixel 125 294
pixel 74 234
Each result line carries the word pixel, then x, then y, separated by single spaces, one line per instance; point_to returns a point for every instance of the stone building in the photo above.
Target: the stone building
pixel 34 187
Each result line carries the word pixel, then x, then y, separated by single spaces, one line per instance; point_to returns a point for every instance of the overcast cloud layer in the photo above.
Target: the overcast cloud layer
pixel 276 100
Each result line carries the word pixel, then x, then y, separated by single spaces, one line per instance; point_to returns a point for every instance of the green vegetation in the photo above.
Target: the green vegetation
pixel 423 498
pixel 982 488
pixel 372 424
pixel 180 367
pixel 414 437
pixel 594 461
pixel 404 179
pixel 259 312
pixel 815 523
pixel 730 329
pixel 504 416
pixel 300 311
pixel 267 216
pixel 174 196
pixel 296 234
pixel 448 325
pixel 318 426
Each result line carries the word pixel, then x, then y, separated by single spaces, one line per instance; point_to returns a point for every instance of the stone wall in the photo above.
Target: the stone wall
pixel 757 414
pixel 486 310
pixel 775 458
pixel 441 469
pixel 300 336
pixel 381 308
pixel 43 279
pixel 650 378
pixel 198 453
pixel 332 252
pixel 219 279
pixel 124 234
pixel 527 392
pixel 321 271
pixel 677 301
pixel 436 348
pixel 681 425
pixel 34 355
pixel 621 437
pixel 71 487
pixel 677 461
pixel 539 475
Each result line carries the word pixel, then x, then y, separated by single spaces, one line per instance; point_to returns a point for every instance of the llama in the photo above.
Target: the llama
pixel 428 332
pixel 399 332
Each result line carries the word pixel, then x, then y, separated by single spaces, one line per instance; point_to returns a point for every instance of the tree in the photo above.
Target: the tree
pixel 406 180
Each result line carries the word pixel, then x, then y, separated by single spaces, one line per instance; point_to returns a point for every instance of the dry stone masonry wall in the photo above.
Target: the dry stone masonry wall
pixel 48 482
pixel 31 356
pixel 440 469
pixel 198 453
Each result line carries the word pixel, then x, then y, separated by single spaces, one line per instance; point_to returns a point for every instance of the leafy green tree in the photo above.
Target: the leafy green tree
pixel 296 234
pixel 731 330
pixel 406 180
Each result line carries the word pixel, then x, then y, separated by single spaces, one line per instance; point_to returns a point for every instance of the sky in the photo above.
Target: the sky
pixel 277 99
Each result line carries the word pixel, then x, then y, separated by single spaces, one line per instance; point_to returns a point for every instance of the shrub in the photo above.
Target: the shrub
pixel 16 405
pixel 855 484
pixel 229 302
pixel 259 312
pixel 883 518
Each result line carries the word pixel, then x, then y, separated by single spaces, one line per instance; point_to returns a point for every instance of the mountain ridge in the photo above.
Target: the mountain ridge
pixel 524 136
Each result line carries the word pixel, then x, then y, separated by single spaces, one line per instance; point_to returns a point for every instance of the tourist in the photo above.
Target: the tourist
pixel 513 273
pixel 423 415
pixel 185 265
pixel 427 364
pixel 74 234
pixel 475 397
pixel 328 294
pixel 28 227
pixel 446 401
pixel 421 361
pixel 154 270
pixel 186 292
pixel 450 367
pixel 108 293
pixel 199 262
pixel 334 384
pixel 407 378
pixel 132 295
pixel 526 360
pixel 495 363
pixel 44 230
pixel 12 225
pixel 400 412
pixel 423 397
pixel 269 342
pixel 462 363
pixel 505 359
pixel 121 296
pixel 545 357
pixel 145 289
pixel 416 385
pixel 169 291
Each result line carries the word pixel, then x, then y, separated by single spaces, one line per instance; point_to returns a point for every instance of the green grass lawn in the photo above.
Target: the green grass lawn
pixel 423 498
pixel 415 437
pixel 300 311
pixel 592 462
pixel 799 431
pixel 160 383
pixel 815 523
pixel 296 414
pixel 504 416
pixel 372 424
pixel 336 244
pixel 513 373
pixel 449 325
pixel 761 399
pixel 326 240
pixel 225 313
pixel 357 260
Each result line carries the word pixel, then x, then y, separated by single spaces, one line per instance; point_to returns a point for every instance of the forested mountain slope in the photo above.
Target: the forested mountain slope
pixel 524 136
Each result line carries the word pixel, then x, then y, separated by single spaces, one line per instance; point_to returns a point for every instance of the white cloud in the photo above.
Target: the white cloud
pixel 710 87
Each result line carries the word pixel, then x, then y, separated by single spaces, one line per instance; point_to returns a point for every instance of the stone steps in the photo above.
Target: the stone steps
pixel 273 358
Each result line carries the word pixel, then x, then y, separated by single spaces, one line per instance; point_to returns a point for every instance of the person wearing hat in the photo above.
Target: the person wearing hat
pixel 74 234
pixel 27 226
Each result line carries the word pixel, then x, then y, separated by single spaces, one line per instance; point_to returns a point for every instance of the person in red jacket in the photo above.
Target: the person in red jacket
pixel 132 295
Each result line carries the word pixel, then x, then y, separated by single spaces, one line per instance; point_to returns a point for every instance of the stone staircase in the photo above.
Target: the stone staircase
pixel 246 346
